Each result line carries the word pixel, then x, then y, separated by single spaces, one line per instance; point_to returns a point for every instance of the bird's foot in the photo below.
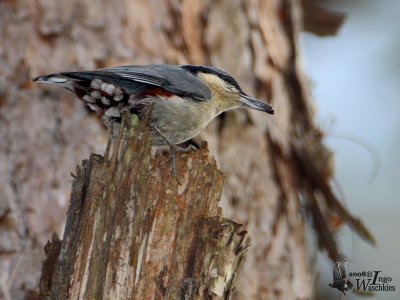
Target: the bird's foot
pixel 173 150
pixel 188 146
pixel 172 163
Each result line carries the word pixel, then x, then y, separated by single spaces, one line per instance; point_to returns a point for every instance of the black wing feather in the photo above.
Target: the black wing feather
pixel 129 86
pixel 172 78
pixel 135 79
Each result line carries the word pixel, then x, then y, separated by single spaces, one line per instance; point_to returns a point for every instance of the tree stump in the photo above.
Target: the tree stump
pixel 278 170
pixel 133 233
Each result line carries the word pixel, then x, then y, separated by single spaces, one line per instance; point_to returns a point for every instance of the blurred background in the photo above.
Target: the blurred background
pixel 355 78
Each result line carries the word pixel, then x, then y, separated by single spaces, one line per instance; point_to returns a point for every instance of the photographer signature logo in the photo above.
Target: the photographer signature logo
pixel 373 281
pixel 340 280
pixel 365 281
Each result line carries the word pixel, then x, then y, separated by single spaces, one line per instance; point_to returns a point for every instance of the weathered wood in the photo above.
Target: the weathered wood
pixel 276 168
pixel 133 233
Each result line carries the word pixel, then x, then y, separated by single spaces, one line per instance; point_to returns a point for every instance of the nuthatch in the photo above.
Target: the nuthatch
pixel 185 98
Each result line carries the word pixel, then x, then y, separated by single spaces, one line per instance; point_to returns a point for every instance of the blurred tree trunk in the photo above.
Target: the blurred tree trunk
pixel 270 163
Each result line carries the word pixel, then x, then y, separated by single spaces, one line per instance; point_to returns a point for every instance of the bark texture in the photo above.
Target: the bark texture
pixel 276 168
pixel 133 233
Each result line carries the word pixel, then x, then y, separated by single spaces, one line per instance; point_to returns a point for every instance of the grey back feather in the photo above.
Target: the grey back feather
pixel 171 78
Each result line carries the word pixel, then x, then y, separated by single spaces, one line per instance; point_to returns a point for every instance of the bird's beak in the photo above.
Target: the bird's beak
pixel 255 104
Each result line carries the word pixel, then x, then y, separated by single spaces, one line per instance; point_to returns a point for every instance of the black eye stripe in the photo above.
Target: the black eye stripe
pixel 221 74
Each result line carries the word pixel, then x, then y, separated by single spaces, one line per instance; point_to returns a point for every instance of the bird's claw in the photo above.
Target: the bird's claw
pixel 173 164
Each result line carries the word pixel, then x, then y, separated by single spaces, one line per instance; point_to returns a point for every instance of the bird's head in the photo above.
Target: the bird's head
pixel 225 90
pixel 349 285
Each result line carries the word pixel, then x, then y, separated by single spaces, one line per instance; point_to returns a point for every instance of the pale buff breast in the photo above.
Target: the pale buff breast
pixel 179 120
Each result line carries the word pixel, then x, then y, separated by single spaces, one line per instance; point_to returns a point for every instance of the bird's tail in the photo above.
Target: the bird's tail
pixel 68 80
pixel 57 78
pixel 100 91
pixel 84 82
pixel 52 78
pixel 341 258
